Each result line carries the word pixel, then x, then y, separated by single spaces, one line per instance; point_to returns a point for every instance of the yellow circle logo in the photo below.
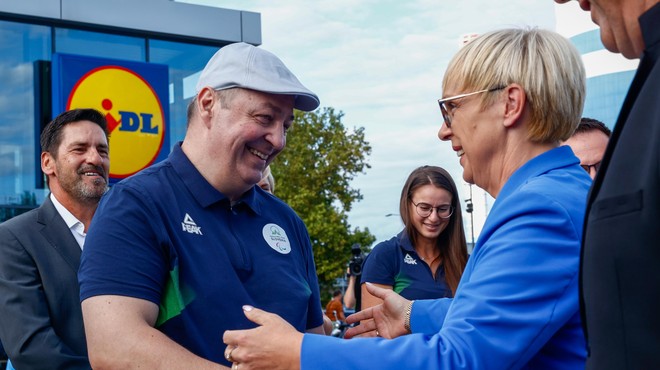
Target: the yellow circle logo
pixel 134 114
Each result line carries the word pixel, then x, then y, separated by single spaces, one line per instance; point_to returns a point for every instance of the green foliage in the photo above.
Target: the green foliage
pixel 313 176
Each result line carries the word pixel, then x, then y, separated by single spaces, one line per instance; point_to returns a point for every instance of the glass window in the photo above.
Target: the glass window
pixel 605 96
pixel 588 41
pixel 185 62
pixel 101 45
pixel 20 46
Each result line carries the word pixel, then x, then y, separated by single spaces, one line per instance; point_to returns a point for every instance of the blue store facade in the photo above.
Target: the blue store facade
pixel 180 36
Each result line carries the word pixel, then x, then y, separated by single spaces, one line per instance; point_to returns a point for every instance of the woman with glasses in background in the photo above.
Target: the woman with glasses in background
pixel 426 259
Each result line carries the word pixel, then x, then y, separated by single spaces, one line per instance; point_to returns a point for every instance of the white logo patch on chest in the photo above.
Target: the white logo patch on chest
pixel 276 238
pixel 189 226
pixel 409 260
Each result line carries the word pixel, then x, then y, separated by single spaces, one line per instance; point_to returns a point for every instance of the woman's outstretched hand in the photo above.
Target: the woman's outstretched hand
pixel 385 320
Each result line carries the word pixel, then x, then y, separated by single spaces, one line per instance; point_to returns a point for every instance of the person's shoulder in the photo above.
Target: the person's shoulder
pixel 21 221
pixel 383 261
pixel 396 242
pixel 270 200
pixel 560 194
pixel 387 247
pixel 142 184
pixel 276 207
pixel 150 175
pixel 561 185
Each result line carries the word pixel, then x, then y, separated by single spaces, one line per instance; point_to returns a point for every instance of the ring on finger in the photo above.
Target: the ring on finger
pixel 377 334
pixel 228 355
pixel 235 366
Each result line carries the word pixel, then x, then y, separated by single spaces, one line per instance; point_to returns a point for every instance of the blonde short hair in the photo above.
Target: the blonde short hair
pixel 544 63
pixel 267 179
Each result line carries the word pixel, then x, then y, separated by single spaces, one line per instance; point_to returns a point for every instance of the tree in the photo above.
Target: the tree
pixel 313 176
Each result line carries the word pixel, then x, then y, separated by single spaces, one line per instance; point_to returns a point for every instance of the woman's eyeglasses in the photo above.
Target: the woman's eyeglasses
pixel 588 167
pixel 447 114
pixel 425 209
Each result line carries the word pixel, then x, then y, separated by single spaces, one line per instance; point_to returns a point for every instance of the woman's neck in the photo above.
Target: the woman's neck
pixel 427 248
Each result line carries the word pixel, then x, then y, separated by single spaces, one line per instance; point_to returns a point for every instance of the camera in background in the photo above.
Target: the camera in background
pixel 356 261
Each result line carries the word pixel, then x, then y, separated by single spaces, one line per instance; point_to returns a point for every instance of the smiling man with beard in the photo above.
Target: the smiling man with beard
pixel 40 317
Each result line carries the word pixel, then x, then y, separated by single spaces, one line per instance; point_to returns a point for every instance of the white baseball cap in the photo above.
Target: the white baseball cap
pixel 245 66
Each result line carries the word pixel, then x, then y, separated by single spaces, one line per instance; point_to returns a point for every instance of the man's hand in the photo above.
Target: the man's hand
pixel 273 345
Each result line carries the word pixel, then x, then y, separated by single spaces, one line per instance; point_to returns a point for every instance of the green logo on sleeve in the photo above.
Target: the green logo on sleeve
pixel 175 298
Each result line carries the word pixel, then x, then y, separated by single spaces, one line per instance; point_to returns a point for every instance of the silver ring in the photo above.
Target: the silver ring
pixel 377 333
pixel 235 366
pixel 228 355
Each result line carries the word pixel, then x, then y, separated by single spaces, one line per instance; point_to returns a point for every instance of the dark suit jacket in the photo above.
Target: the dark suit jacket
pixel 620 271
pixel 41 323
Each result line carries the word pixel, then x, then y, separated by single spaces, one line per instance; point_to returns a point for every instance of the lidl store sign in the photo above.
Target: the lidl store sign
pixel 133 97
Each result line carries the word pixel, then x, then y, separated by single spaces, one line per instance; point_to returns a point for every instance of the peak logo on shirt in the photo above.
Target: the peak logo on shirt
pixel 190 226
pixel 276 238
pixel 409 260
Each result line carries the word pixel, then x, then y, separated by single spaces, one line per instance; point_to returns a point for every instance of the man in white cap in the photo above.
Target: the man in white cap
pixel 176 250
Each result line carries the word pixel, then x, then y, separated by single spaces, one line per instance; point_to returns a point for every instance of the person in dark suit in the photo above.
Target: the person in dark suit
pixel 3 357
pixel 41 323
pixel 620 278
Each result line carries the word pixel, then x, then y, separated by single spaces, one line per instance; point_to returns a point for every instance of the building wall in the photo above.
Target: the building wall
pixel 608 74
pixel 181 36
pixel 166 17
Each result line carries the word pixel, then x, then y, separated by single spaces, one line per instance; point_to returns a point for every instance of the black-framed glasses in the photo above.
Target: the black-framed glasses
pixel 447 114
pixel 425 209
pixel 588 167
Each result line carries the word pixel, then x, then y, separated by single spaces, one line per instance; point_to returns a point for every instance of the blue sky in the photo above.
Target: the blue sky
pixel 382 63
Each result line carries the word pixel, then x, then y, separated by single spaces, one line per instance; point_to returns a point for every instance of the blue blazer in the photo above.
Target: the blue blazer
pixel 41 323
pixel 516 306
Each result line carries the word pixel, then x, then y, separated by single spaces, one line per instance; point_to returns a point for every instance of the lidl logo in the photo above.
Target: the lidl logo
pixel 134 115
pixel 127 94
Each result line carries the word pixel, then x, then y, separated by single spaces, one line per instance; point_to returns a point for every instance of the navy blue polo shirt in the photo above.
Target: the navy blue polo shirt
pixel 167 236
pixel 394 262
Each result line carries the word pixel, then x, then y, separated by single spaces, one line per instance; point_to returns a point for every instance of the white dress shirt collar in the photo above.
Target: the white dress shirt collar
pixel 75 226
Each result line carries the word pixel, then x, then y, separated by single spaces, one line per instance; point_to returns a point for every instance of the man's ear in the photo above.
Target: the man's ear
pixel 516 102
pixel 206 100
pixel 47 163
